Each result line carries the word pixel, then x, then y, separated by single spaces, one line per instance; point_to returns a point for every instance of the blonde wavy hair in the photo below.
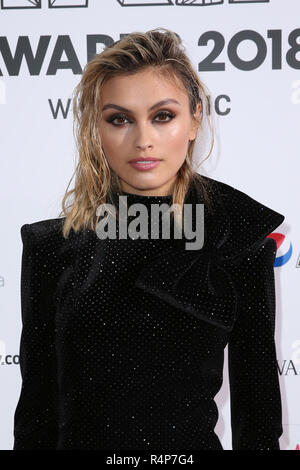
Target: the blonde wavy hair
pixel 95 181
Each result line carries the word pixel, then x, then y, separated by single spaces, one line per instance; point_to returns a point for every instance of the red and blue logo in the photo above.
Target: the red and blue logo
pixel 283 246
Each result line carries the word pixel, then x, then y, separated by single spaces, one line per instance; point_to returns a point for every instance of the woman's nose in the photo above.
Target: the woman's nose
pixel 144 147
pixel 143 137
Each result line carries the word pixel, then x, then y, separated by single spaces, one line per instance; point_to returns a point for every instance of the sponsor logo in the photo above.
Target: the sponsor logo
pixel 37 4
pixel 183 3
pixel 283 246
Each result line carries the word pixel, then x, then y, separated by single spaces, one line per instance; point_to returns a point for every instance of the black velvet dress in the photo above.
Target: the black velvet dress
pixel 122 343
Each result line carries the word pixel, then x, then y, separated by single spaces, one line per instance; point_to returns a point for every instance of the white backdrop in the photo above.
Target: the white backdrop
pixel 248 55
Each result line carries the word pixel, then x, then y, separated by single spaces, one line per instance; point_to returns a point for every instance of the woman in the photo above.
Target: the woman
pixel 123 338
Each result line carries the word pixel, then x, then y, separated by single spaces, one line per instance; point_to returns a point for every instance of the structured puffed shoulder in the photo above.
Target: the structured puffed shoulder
pixel 42 248
pixel 200 282
pixel 42 230
pixel 241 222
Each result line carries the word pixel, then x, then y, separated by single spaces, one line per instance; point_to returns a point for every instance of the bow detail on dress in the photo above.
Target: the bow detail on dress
pixel 199 282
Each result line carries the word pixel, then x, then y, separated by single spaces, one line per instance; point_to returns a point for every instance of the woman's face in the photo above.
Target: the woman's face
pixel 135 125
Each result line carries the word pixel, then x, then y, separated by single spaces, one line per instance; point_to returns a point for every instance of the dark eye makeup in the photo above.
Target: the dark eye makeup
pixel 122 116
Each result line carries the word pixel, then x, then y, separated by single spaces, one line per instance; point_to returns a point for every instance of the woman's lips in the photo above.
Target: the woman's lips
pixel 145 166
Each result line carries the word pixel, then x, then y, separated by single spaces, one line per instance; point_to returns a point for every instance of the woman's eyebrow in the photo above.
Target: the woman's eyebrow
pixel 156 105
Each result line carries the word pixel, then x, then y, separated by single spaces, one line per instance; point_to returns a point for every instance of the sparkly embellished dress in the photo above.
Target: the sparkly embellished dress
pixel 122 343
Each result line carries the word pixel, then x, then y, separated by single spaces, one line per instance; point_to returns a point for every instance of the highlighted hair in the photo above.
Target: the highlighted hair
pixel 95 181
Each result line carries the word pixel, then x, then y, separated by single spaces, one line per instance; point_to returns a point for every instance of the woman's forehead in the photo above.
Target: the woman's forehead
pixel 142 87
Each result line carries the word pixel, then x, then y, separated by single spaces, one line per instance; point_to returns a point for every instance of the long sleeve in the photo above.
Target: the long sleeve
pixel 35 418
pixel 255 400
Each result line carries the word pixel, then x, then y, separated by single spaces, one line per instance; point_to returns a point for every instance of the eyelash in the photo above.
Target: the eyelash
pixel 164 113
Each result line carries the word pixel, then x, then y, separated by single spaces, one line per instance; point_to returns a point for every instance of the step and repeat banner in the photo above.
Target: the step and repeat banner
pixel 246 52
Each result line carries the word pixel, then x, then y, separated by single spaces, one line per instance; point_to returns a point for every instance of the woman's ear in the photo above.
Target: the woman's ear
pixel 195 124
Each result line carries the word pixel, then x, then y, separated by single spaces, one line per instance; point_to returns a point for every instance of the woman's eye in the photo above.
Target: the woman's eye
pixel 163 114
pixel 113 118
